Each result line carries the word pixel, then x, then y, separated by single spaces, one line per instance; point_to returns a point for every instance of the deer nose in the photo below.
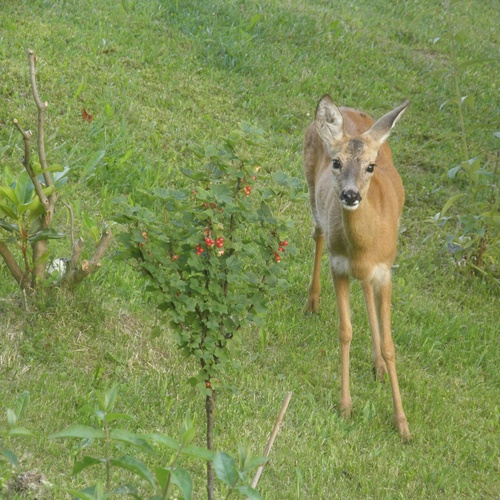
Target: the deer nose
pixel 350 197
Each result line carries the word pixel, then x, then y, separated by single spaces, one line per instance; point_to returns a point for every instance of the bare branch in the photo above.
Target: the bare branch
pixel 101 248
pixel 76 273
pixel 72 221
pixel 14 268
pixel 42 106
pixel 27 134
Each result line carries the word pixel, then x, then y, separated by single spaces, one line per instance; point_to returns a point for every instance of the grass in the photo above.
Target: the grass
pixel 160 75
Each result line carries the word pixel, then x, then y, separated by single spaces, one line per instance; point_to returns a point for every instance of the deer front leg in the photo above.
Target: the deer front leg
pixel 379 366
pixel 383 302
pixel 341 284
pixel 315 285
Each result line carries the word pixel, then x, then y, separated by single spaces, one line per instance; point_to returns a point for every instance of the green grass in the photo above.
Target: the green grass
pixel 160 75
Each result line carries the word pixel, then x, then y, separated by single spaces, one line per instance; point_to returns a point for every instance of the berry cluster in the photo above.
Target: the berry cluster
pixel 281 248
pixel 219 243
pixel 248 190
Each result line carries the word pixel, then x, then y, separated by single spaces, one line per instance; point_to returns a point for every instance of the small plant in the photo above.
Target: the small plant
pixel 27 207
pixel 211 254
pixel 8 459
pixel 475 225
pixel 114 439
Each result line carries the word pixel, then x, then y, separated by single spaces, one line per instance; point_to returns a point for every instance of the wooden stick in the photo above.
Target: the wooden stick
pixel 270 443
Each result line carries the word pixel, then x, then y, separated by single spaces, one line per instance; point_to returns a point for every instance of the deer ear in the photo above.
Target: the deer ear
pixel 381 129
pixel 329 121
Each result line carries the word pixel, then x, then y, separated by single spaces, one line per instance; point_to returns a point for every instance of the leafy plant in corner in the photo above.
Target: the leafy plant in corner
pixel 211 252
pixel 27 207
pixel 113 439
pixel 473 239
pixel 8 459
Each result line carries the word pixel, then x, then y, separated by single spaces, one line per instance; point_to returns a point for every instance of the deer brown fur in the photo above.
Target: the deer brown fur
pixel 356 197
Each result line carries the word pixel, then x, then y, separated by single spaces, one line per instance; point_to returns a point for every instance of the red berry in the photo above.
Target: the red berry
pixel 174 258
pixel 284 243
pixel 209 242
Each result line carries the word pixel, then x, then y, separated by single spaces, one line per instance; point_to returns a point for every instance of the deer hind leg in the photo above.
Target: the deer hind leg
pixel 379 366
pixel 315 285
pixel 341 284
pixel 383 304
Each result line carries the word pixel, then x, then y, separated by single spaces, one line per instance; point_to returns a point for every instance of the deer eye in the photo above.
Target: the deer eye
pixel 336 165
pixel 370 168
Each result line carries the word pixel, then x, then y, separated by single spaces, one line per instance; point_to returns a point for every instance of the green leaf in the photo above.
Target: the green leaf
pixel 453 171
pixel 81 432
pixel 450 202
pixel 197 452
pixel 162 439
pixel 225 468
pixel 109 399
pixel 130 438
pixel 24 188
pixel 8 212
pixel 248 492
pixel 112 417
pixel 19 431
pixel 135 466
pixel 182 479
pixel 85 463
pixel 90 493
pixel 45 234
pixel 10 456
pixel 22 403
pixel 11 417
pixel 10 194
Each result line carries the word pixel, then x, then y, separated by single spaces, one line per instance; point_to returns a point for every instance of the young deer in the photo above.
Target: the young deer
pixel 356 198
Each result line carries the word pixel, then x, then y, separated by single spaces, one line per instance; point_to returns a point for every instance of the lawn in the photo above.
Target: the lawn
pixel 159 76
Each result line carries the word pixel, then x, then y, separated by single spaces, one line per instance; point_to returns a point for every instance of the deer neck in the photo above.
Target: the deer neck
pixel 360 225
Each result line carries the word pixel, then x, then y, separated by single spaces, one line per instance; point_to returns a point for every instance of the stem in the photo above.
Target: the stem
pixel 210 410
pixel 108 446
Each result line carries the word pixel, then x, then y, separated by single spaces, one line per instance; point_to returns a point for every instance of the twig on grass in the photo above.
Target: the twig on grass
pixel 270 443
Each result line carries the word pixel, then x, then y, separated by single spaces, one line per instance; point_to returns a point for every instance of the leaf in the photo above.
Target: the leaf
pixel 10 456
pixel 198 452
pixel 133 465
pixel 10 194
pixel 8 212
pixel 113 417
pixel 497 134
pixel 87 116
pixel 46 234
pixel 91 493
pixel 19 431
pixel 81 432
pixel 182 479
pixel 11 417
pixel 225 468
pixel 110 398
pixel 249 492
pixel 130 438
pixel 162 439
pixel 85 463
pixel 450 202
pixel 453 171
pixel 24 188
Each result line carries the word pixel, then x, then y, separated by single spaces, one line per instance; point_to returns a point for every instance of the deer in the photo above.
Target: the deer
pixel 356 197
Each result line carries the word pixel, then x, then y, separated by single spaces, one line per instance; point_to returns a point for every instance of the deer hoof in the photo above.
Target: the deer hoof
pixel 403 429
pixel 346 410
pixel 380 371
pixel 312 304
